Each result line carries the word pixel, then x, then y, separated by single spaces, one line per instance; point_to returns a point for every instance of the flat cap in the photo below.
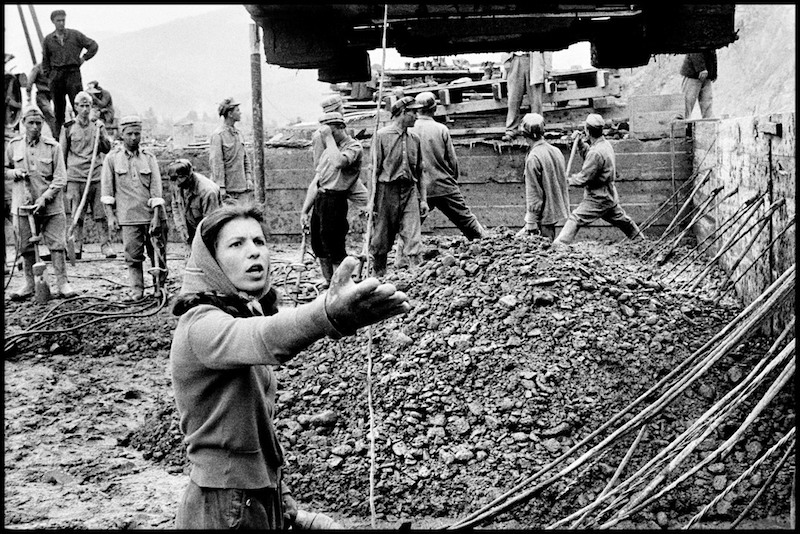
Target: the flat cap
pixel 426 100
pixel 332 117
pixel 332 103
pixel 56 13
pixel 179 167
pixel 129 121
pixel 595 120
pixel 32 111
pixel 407 102
pixel 530 121
pixel 226 105
pixel 83 95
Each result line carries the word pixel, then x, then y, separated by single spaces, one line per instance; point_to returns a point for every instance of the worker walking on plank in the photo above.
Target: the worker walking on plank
pixel 336 177
pixel 36 166
pixel 194 196
pixel 61 64
pixel 132 196
pixel 77 144
pixel 525 71
pixel 400 199
pixel 230 335
pixel 699 70
pixel 230 165
pixel 546 191
pixel 440 169
pixel 597 176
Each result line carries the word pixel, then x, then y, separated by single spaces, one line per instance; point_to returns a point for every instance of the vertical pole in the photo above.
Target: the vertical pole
pixel 36 24
pixel 27 34
pixel 258 118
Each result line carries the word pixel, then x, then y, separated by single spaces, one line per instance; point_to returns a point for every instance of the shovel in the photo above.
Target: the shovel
pixel 79 212
pixel 41 289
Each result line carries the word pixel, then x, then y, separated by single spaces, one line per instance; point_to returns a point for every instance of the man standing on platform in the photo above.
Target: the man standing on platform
pixel 699 70
pixel 525 71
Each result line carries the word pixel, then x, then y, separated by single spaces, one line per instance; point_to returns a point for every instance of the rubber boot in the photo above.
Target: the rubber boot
pixel 379 264
pixel 63 289
pixel 631 231
pixel 567 234
pixel 27 270
pixel 136 276
pixel 327 270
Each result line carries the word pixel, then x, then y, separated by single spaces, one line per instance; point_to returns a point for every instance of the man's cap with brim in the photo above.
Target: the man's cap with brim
pixel 531 121
pixel 226 105
pixel 402 104
pixel 32 111
pixel 426 100
pixel 332 117
pixel 595 120
pixel 332 103
pixel 129 121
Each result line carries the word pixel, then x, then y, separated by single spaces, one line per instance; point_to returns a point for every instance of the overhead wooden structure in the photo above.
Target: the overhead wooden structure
pixel 335 38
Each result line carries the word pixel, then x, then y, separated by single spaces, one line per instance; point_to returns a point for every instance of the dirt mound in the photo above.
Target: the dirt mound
pixel 511 354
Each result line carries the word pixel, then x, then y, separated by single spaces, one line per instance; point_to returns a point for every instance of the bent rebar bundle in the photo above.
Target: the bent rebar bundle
pixel 619 501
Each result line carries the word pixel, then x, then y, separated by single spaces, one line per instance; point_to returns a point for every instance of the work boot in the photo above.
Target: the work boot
pixel 28 289
pixel 567 235
pixel 326 267
pixel 136 276
pixel 63 289
pixel 379 265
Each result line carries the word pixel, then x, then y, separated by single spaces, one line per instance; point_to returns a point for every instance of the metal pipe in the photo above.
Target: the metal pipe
pixel 36 24
pixel 258 116
pixel 27 34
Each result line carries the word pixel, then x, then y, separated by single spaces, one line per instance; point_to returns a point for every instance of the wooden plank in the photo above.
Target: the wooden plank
pixel 656 103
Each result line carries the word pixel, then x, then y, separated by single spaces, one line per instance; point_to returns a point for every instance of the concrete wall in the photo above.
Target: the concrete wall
pixel 755 154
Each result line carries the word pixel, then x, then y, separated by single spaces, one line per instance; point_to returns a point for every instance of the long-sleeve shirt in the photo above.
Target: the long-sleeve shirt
pixel 77 144
pixel 398 154
pixel 57 55
pixel 230 166
pixel 132 182
pixel 38 79
pixel 333 178
pixel 546 193
pixel 199 200
pixel 46 173
pixel 440 172
pixel 696 62
pixel 598 173
pixel 358 193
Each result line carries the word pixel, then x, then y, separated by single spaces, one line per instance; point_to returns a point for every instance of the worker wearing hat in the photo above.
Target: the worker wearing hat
pixel 61 64
pixel 132 195
pixel 35 165
pixel 358 195
pixel 400 199
pixel 440 170
pixel 230 165
pixel 597 177
pixel 78 139
pixel 336 176
pixel 546 192
pixel 194 196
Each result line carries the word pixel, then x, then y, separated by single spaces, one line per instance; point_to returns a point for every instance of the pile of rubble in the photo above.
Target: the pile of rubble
pixel 511 354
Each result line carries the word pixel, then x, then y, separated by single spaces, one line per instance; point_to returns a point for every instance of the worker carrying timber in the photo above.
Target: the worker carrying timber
pixel 230 335
pixel 597 176
pixel 194 196
pixel 336 176
pixel 400 199
pixel 35 164
pixel 525 72
pixel 61 64
pixel 230 166
pixel 546 191
pixel 77 144
pixel 132 196
pixel 699 70
pixel 440 170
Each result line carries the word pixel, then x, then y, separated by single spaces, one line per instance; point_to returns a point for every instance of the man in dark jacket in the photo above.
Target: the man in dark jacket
pixel 699 70
pixel 61 63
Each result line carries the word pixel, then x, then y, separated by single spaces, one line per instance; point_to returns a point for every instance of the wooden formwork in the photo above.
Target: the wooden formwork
pixel 755 154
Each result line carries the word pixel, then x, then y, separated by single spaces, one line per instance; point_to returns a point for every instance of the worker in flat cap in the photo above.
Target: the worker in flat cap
pixel 597 177
pixel 194 196
pixel 546 191
pixel 440 170
pixel 132 196
pixel 230 164
pixel 337 175
pixel 84 141
pixel 61 64
pixel 35 165
pixel 399 198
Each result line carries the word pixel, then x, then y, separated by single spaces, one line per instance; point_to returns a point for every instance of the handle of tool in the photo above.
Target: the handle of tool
pixel 32 224
pixel 303 242
pixel 79 211
pixel 572 155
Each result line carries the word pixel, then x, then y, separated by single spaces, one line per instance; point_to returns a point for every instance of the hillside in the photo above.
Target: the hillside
pixel 756 73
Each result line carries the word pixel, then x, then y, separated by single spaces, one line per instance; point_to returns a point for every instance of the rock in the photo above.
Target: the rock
pixel 475 408
pixel 753 448
pixel 446 457
pixel 662 519
pixel 464 455
pixel 326 418
pixel 552 445
pixel 716 468
pixel 723 507
pixel 756 479
pixel 439 419
pixel 734 374
pixel 720 482
pixel 706 391
pixel 423 472
pixel 630 283
pixel 342 450
pixel 335 461
pixel 57 477
pixel 627 310
pixel 448 260
pixel 543 298
pixel 460 302
pixel 519 436
pixel 400 448
pixel 402 339
pixel 508 301
pixel 560 428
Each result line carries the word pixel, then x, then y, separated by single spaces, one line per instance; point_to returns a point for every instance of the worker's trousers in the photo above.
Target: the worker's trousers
pixel 136 240
pixel 329 225
pixel 65 82
pixel 589 210
pixel 518 81
pixel 694 90
pixel 43 99
pixel 230 508
pixel 455 208
pixel 396 212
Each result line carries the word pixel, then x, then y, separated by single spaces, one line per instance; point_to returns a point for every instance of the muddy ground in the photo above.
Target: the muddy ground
pixel 488 378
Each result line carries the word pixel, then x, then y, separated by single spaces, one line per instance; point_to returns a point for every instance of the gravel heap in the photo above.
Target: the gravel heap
pixel 511 354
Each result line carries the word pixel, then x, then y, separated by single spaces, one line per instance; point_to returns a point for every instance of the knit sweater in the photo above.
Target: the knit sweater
pixel 224 386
